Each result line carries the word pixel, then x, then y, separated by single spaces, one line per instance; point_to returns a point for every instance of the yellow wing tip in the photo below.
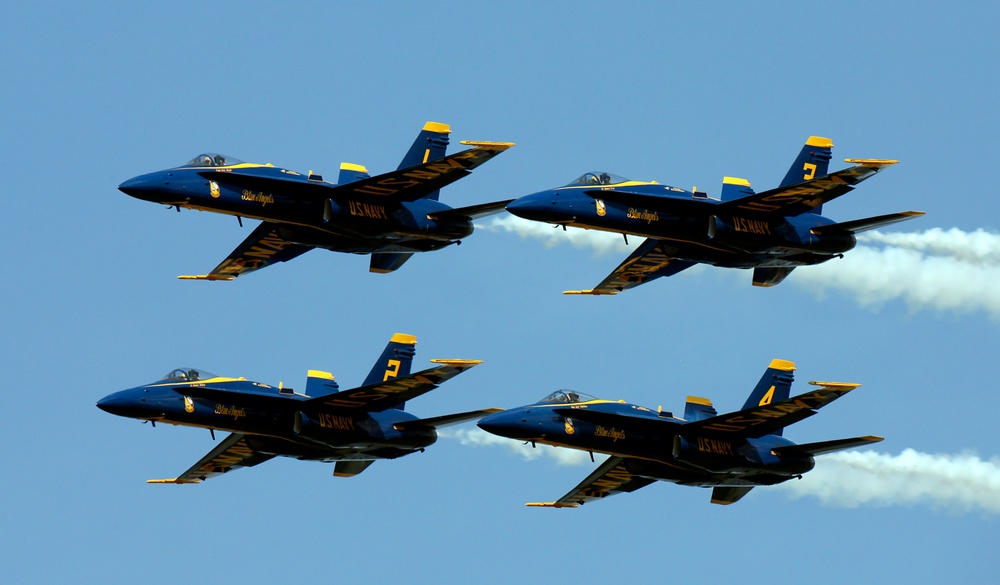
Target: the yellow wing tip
pixel 819 142
pixel 488 144
pixel 346 166
pixel 699 400
pixel 404 338
pixel 735 181
pixel 872 162
pixel 176 480
pixel 590 292
pixel 784 365
pixel 551 505
pixel 873 438
pixel 836 385
pixel 203 277
pixel 437 127
pixel 466 363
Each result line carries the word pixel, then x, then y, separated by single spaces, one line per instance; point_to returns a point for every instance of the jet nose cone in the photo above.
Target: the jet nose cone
pixel 146 187
pixel 537 207
pixel 503 424
pixel 119 403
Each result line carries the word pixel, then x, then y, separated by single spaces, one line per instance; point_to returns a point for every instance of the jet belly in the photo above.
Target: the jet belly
pixel 360 431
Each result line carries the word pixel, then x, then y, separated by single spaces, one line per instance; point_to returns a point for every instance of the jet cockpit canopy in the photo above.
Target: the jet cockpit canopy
pixel 188 375
pixel 566 397
pixel 599 178
pixel 212 159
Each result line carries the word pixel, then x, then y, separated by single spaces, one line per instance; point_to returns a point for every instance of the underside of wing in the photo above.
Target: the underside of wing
pixel 385 395
pixel 646 263
pixel 612 477
pixel 263 247
pixel 764 420
pixel 808 195
pixel 232 453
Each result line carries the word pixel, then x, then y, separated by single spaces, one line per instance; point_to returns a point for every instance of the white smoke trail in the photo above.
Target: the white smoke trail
pixel 945 270
pixel 962 483
pixel 938 269
pixel 602 243
pixel 480 438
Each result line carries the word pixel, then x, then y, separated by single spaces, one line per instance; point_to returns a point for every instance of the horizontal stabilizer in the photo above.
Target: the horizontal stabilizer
pixel 861 225
pixel 351 468
pixel 725 495
pixel 469 212
pixel 825 446
pixel 444 421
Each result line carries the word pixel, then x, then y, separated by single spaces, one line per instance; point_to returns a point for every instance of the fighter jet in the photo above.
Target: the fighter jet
pixel 771 232
pixel 353 428
pixel 731 453
pixel 390 216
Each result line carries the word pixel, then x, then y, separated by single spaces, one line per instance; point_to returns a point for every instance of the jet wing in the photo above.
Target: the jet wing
pixel 262 248
pixel 612 477
pixel 825 446
pixel 470 212
pixel 232 453
pixel 764 420
pixel 862 225
pixel 437 422
pixel 801 197
pixel 385 395
pixel 646 263
pixel 407 184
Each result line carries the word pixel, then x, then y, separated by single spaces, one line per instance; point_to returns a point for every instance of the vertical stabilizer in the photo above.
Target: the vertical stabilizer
pixel 431 144
pixel 735 188
pixel 350 172
pixel 774 386
pixel 698 408
pixel 319 383
pixel 395 361
pixel 813 162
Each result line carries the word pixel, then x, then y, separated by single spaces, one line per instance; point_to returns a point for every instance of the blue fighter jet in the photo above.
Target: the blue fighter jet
pixel 354 428
pixel 389 216
pixel 772 232
pixel 732 453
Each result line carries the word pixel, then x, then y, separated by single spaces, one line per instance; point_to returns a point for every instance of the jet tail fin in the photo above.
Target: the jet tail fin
pixel 394 362
pixel 350 172
pixel 431 144
pixel 813 162
pixel 774 386
pixel 320 383
pixel 697 408
pixel 735 188
pixel 386 262
pixel 725 495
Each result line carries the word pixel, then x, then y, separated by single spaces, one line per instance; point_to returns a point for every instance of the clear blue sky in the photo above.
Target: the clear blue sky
pixel 93 95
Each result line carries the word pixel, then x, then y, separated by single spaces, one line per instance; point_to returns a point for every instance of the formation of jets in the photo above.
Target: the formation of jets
pixel 397 214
